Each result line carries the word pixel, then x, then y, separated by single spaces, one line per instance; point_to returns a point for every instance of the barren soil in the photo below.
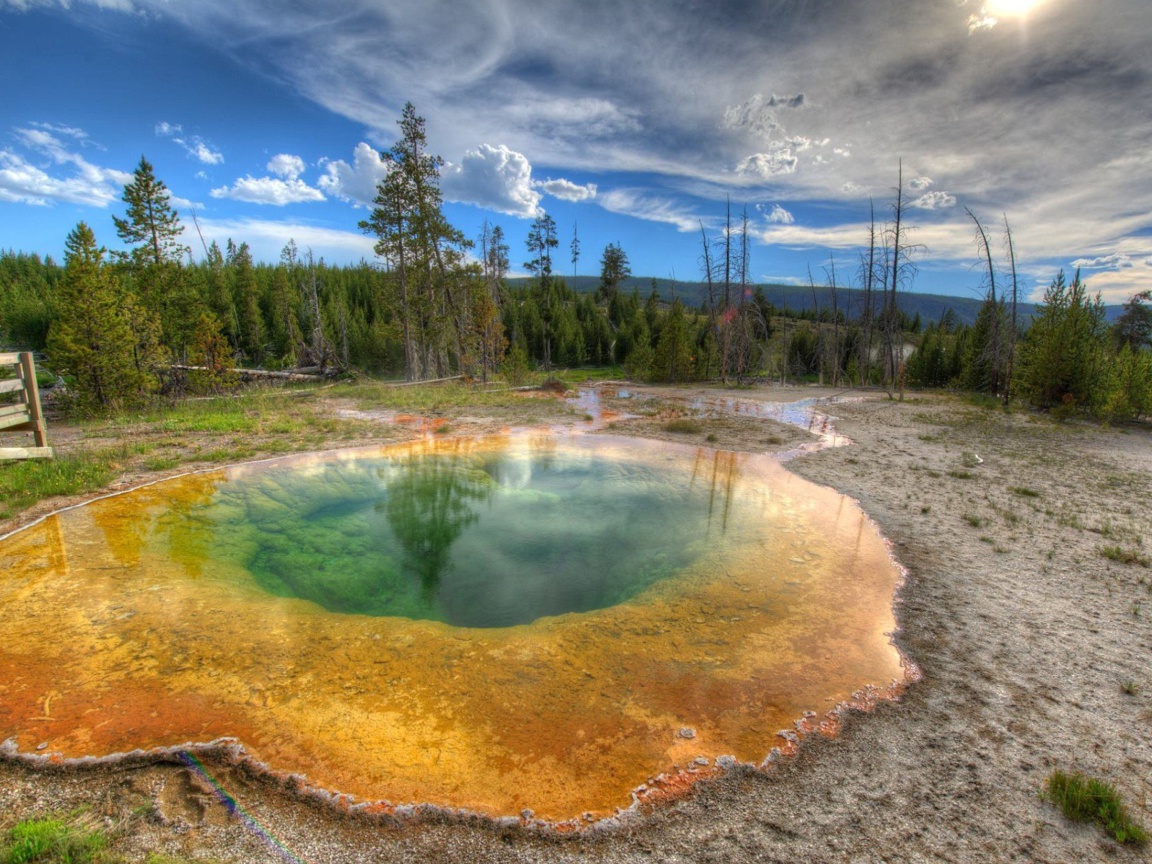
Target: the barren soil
pixel 1034 649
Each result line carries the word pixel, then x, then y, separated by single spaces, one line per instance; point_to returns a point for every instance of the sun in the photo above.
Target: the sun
pixel 1011 8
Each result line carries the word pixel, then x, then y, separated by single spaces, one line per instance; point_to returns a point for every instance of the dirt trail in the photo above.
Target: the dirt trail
pixel 1034 649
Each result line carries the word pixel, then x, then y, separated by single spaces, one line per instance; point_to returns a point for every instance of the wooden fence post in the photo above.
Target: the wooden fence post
pixel 26 415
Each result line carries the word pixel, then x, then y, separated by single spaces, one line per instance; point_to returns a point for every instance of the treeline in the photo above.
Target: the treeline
pixel 121 328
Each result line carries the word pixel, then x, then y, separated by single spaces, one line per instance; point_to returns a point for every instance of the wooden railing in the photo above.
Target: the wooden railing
pixel 23 415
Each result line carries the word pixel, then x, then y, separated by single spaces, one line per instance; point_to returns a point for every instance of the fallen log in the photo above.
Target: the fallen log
pixel 255 374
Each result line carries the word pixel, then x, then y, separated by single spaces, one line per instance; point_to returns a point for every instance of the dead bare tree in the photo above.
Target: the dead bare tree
pixel 833 288
pixel 819 329
pixel 1015 289
pixel 989 352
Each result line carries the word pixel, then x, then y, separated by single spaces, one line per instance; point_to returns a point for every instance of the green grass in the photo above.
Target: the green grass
pixel 1125 556
pixel 1024 492
pixel 54 841
pixel 23 483
pixel 1086 799
pixel 683 426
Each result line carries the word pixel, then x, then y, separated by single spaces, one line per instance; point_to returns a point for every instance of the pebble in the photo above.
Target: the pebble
pixel 687 732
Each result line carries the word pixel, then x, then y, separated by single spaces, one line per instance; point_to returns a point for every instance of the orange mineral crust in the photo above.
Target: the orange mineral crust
pixel 120 630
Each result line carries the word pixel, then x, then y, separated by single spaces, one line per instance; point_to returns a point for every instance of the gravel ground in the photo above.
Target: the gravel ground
pixel 1034 649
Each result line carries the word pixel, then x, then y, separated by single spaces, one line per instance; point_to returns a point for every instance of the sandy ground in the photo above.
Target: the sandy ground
pixel 1034 650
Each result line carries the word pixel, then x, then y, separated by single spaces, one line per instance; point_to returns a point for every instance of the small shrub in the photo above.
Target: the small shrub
pixel 973 520
pixel 1086 799
pixel 683 426
pixel 1024 492
pixel 961 475
pixel 1125 556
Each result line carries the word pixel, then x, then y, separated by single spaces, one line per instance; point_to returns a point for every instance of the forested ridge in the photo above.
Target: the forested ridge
pixel 123 328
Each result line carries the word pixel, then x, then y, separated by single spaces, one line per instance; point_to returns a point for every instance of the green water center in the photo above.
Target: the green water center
pixel 492 538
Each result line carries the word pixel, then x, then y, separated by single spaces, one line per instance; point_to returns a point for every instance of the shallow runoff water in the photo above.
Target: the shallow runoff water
pixel 527 621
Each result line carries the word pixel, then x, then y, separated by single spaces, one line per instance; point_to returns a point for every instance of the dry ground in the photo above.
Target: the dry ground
pixel 1034 649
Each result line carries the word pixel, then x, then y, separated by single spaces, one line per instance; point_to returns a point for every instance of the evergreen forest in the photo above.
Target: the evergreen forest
pixel 121 329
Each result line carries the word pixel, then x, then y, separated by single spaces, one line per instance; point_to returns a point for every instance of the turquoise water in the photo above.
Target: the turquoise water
pixel 491 538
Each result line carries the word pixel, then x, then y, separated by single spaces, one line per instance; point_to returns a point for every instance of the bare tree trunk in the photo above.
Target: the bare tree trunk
pixel 819 330
pixel 835 322
pixel 1012 335
pixel 869 290
pixel 896 252
pixel 994 347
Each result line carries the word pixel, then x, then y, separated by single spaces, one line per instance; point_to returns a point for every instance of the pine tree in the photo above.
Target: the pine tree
pixel 151 225
pixel 91 341
pixel 1061 361
pixel 424 252
pixel 614 269
pixel 673 360
pixel 246 298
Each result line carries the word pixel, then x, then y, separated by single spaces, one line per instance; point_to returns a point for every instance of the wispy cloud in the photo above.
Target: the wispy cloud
pixel 638 204
pixel 193 145
pixel 85 183
pixel 268 237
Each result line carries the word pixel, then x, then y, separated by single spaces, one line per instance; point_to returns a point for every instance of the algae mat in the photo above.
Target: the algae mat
pixel 153 619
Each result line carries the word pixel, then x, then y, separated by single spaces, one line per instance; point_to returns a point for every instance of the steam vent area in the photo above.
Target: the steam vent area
pixel 534 621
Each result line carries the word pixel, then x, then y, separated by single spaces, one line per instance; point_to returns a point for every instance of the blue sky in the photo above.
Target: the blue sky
pixel 635 122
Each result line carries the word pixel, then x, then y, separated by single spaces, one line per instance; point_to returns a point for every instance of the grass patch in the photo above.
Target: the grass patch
pixel 67 841
pixel 23 483
pixel 1086 799
pixel 1125 556
pixel 54 840
pixel 683 426
pixel 961 475
pixel 973 520
pixel 1024 492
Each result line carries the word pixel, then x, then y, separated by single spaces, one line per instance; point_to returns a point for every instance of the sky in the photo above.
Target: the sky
pixel 634 123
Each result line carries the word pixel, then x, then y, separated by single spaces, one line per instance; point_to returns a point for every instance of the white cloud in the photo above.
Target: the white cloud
pixel 638 204
pixel 356 182
pixel 981 21
pixel 268 237
pixel 758 115
pixel 1118 261
pixel 193 145
pixel 779 160
pixel 22 181
pixel 934 201
pixel 920 183
pixel 204 152
pixel 495 177
pixel 780 216
pixel 184 204
pixel 566 190
pixel 286 166
pixel 269 190
pixel 111 5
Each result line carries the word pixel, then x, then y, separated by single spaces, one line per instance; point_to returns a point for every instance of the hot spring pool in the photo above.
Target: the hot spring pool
pixel 526 621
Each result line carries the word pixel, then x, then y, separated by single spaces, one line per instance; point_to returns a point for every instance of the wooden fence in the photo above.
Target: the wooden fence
pixel 23 415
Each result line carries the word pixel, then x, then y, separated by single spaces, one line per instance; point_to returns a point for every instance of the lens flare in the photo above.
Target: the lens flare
pixel 1011 8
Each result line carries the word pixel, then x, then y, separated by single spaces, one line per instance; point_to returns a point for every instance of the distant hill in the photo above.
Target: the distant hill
pixel 799 298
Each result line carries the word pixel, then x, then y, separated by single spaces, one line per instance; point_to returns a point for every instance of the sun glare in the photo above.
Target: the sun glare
pixel 1011 8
